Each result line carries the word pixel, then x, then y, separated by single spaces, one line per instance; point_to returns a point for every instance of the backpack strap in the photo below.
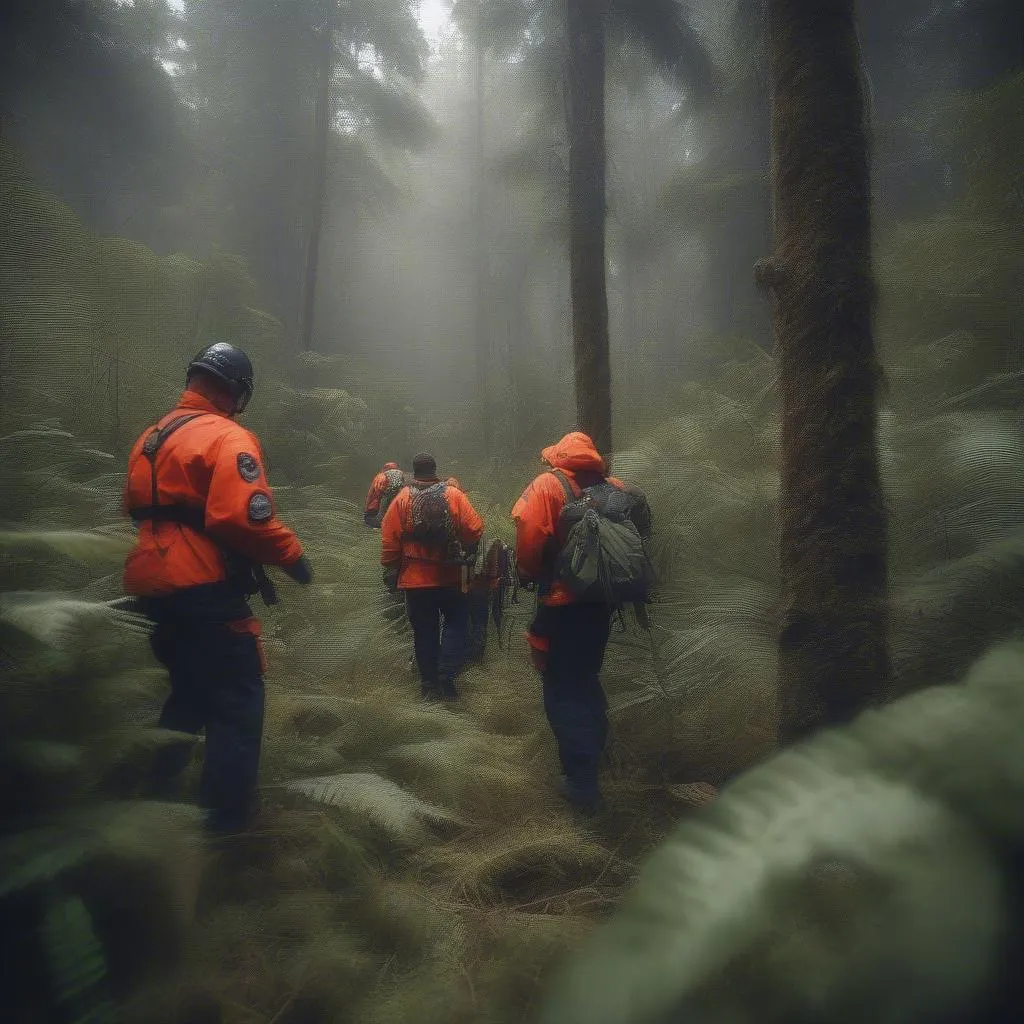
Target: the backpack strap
pixel 155 442
pixel 572 492
pixel 191 516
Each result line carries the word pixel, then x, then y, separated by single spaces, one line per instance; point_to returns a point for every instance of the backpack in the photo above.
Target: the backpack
pixel 430 519
pixel 602 557
pixel 494 586
pixel 394 482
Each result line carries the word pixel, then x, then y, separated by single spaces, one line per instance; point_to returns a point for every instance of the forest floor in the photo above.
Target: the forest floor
pixel 412 861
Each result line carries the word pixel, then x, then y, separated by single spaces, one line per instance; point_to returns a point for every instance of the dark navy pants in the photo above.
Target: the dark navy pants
pixel 216 677
pixel 439 652
pixel 574 699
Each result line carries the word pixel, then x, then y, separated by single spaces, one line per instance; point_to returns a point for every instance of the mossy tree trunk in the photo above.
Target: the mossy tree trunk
pixel 833 636
pixel 585 124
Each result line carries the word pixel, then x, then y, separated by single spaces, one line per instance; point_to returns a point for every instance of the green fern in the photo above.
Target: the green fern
pixel 866 854
pixel 76 961
pixel 399 814
pixel 80 545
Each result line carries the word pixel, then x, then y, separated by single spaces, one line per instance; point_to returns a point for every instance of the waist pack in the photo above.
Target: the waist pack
pixel 602 556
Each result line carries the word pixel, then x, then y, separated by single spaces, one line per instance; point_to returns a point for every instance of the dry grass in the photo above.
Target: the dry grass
pixel 412 861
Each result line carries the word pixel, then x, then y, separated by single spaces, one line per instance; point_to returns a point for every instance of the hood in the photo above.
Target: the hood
pixel 576 453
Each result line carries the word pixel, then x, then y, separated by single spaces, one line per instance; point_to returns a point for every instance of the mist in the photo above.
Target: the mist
pixel 768 257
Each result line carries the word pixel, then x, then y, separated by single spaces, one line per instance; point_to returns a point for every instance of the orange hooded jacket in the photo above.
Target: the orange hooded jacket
pixel 377 488
pixel 213 465
pixel 537 510
pixel 422 565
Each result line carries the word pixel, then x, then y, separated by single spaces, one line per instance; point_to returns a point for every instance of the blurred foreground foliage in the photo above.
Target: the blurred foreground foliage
pixel 412 863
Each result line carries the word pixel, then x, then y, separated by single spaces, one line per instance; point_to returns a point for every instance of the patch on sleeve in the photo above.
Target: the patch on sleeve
pixel 248 467
pixel 260 508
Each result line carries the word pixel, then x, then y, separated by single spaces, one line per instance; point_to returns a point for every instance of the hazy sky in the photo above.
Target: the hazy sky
pixel 433 16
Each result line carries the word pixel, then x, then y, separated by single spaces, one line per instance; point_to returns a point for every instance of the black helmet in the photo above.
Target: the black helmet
pixel 230 365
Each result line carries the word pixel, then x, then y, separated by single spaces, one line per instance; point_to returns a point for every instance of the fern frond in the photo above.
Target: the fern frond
pixel 397 812
pixel 865 850
pixel 76 960
pixel 80 545
pixel 59 621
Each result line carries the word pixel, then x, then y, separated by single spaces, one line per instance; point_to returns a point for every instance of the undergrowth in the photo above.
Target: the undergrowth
pixel 412 863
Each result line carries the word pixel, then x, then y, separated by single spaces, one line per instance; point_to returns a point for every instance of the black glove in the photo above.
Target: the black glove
pixel 300 571
pixel 390 578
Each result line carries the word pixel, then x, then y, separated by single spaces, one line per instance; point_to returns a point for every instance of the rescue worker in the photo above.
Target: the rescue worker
pixel 384 483
pixel 567 637
pixel 429 535
pixel 197 490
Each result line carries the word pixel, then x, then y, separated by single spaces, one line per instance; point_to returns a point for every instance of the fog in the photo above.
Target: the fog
pixel 429 231
pixel 769 256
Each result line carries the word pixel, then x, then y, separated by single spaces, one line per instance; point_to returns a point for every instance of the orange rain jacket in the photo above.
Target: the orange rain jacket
pixel 422 565
pixel 537 510
pixel 377 488
pixel 211 464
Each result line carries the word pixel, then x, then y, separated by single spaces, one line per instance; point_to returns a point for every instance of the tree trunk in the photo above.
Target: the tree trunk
pixel 585 124
pixel 481 337
pixel 833 639
pixel 323 133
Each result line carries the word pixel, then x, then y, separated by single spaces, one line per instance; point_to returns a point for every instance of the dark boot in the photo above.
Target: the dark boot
pixel 585 800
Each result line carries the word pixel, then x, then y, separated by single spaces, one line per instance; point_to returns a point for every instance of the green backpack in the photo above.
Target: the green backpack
pixel 602 558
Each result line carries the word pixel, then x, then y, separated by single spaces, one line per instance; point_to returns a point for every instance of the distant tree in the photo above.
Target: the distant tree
pixel 481 329
pixel 256 70
pixel 834 633
pixel 84 97
pixel 322 127
pixel 567 39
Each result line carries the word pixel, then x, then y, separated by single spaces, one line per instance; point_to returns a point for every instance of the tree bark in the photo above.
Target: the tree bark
pixel 323 133
pixel 585 125
pixel 834 630
pixel 481 337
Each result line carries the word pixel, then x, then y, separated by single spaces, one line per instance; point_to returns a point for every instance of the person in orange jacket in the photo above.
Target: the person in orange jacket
pixel 386 483
pixel 567 638
pixel 429 534
pixel 197 490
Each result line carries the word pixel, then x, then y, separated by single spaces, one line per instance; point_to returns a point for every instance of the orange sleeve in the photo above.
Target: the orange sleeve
pixel 391 530
pixel 240 507
pixel 536 515
pixel 373 495
pixel 470 525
